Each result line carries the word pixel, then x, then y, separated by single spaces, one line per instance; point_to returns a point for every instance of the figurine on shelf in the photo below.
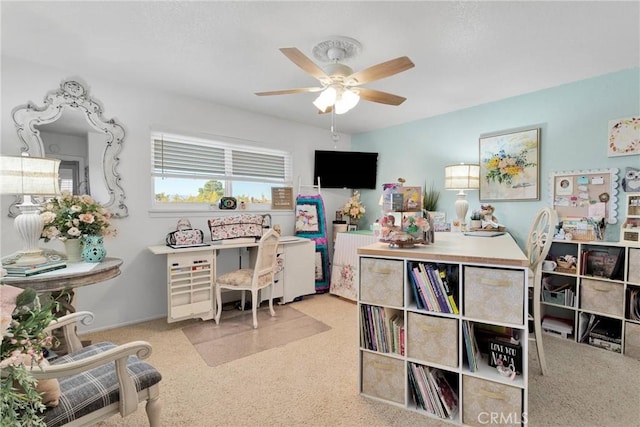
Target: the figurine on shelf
pixel 487 213
pixel 489 221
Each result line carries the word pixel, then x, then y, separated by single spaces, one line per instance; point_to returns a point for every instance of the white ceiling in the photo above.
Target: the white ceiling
pixel 466 53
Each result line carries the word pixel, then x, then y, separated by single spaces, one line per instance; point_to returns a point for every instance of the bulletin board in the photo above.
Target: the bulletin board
pixel 587 194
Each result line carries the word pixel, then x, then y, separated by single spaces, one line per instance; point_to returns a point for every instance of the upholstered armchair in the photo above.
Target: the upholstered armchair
pixel 100 380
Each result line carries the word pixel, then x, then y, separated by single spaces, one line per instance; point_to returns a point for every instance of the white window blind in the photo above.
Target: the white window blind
pixel 175 156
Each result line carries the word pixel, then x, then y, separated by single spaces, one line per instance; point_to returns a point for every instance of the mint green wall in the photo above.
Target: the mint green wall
pixel 573 119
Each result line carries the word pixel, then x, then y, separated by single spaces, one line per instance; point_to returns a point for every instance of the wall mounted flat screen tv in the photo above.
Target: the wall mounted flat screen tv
pixel 345 169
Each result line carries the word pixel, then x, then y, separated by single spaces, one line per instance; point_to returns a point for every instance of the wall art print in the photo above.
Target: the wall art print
pixel 624 137
pixel 509 166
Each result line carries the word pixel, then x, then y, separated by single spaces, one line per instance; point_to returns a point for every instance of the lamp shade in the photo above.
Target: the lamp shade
pixel 462 177
pixel 29 175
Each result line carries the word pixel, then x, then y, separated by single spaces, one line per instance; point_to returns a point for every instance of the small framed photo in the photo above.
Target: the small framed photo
pixel 352 227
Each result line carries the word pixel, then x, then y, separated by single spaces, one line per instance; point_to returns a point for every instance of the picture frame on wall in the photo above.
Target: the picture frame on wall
pixel 509 166
pixel 624 137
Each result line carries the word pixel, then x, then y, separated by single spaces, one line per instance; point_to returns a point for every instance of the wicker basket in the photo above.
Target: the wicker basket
pixel 565 265
pixel 583 235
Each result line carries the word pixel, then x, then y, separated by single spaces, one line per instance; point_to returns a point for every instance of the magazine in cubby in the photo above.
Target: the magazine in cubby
pixel 600 331
pixel 433 390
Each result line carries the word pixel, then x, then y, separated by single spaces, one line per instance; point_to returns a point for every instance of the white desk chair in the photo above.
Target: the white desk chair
pixel 538 245
pixel 253 279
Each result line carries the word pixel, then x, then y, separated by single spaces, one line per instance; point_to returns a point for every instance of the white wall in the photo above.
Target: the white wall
pixel 139 293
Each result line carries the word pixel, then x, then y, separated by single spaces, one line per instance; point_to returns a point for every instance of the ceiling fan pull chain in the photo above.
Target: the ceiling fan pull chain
pixel 334 134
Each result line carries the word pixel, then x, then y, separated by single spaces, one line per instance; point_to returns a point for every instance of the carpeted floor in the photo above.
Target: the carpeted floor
pixel 235 337
pixel 313 381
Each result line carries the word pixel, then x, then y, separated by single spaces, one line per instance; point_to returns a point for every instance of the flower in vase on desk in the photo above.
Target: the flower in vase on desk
pixel 70 217
pixel 354 209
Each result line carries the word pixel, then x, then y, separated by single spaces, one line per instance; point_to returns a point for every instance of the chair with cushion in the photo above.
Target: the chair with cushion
pixel 254 279
pixel 538 245
pixel 100 380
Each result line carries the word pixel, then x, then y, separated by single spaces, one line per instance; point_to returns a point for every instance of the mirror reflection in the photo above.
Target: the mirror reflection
pixel 70 127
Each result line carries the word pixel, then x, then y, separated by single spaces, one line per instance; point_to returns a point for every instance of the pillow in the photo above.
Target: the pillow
pixel 49 389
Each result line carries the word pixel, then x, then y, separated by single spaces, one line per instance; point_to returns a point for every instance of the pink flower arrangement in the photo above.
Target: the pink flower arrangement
pixel 354 208
pixel 70 217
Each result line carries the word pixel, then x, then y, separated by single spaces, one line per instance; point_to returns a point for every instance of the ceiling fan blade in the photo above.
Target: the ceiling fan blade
pixel 302 61
pixel 379 96
pixel 380 71
pixel 290 91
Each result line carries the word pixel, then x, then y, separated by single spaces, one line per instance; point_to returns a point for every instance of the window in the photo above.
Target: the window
pixel 195 173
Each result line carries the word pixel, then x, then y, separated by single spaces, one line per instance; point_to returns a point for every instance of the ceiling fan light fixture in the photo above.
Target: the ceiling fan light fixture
pixel 346 101
pixel 326 99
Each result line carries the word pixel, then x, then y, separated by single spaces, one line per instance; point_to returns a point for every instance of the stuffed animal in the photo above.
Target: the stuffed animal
pixel 487 213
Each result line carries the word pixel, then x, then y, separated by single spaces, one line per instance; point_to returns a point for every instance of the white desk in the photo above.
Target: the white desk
pixel 191 275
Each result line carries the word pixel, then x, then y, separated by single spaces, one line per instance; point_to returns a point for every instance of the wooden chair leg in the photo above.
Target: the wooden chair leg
pixel 537 328
pixel 218 304
pixel 153 408
pixel 254 307
pixel 273 313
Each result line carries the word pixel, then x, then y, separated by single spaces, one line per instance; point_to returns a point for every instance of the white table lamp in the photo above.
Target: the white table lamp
pixel 462 177
pixel 26 176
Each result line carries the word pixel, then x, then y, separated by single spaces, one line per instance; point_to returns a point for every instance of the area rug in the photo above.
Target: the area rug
pixel 235 337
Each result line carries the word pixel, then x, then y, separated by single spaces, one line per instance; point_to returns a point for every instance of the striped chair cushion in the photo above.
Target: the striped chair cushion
pixel 91 390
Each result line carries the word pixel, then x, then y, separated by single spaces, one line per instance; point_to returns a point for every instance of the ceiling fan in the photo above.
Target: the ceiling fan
pixel 340 85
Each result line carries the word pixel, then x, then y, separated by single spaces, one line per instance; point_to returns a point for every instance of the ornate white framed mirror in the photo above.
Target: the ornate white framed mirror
pixel 70 126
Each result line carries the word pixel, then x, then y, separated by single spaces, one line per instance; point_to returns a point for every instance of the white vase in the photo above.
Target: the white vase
pixel 73 249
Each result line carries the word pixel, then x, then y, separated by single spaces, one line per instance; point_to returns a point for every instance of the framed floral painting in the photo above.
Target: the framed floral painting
pixel 509 166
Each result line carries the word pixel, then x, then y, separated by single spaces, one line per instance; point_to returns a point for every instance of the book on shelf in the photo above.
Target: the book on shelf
pixel 25 271
pixel 446 393
pixel 432 392
pixel 471 345
pixel 448 291
pixel 586 324
pixel 422 298
pixel 441 296
pixel 606 344
pixel 428 289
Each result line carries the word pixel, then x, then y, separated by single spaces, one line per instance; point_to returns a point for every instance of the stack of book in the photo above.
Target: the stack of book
pixel 30 270
pixel 432 391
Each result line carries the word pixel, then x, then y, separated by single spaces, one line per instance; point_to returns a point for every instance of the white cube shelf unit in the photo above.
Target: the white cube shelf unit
pixel 408 352
pixel 603 288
